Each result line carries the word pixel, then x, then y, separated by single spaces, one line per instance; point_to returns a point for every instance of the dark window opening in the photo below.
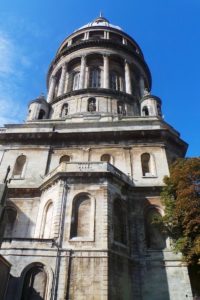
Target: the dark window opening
pixel 65 158
pixel 145 161
pixel 145 111
pixel 41 114
pixel 35 284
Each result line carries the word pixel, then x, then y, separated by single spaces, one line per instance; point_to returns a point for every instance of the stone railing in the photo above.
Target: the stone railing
pixel 88 167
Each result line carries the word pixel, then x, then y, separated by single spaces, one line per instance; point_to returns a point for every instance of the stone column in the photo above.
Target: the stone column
pixel 127 78
pixel 62 80
pixel 105 72
pixel 142 87
pixel 51 89
pixel 66 82
pixel 82 72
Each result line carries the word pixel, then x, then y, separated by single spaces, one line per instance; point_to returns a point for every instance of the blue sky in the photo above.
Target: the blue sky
pixel 168 31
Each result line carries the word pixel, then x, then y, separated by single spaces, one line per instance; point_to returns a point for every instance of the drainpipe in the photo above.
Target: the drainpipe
pixel 58 242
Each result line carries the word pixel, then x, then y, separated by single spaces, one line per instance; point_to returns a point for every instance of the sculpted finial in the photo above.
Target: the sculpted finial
pixel 146 92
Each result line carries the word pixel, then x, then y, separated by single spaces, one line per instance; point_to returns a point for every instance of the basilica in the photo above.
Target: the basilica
pixel 80 180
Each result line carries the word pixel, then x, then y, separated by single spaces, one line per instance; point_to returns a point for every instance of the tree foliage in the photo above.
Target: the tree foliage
pixel 181 198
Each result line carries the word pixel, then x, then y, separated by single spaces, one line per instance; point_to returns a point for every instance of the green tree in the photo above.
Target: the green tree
pixel 181 198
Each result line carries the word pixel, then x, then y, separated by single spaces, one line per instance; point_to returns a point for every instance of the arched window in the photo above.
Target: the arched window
pixel 8 221
pixel 106 158
pixel 41 114
pixel 65 158
pixel 35 284
pixel 119 222
pixel 91 104
pixel 145 111
pixel 19 166
pixel 114 81
pixel 155 238
pixel 95 78
pixel 47 221
pixel 76 81
pixel 145 161
pixel 121 108
pixel 65 110
pixel 81 217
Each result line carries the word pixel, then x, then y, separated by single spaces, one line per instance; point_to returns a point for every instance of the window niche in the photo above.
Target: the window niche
pixel 120 222
pixel 47 222
pixel 121 108
pixel 155 238
pixel 91 105
pixel 19 167
pixel 106 158
pixel 64 110
pixel 82 221
pixel 148 165
pixel 35 284
pixel 65 158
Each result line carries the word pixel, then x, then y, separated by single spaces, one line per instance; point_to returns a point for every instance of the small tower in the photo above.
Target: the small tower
pixel 150 105
pixel 38 109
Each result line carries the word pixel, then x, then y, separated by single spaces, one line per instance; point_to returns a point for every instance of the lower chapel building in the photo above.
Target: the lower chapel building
pixel 81 179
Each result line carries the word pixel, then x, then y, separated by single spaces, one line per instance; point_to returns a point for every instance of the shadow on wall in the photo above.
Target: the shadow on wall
pixel 15 223
pixel 29 286
pixel 154 276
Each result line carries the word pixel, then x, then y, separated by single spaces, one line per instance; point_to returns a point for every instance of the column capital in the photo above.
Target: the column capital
pixel 83 57
pixel 64 66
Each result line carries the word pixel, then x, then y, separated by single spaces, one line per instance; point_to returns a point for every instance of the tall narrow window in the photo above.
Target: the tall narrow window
pixel 35 284
pixel 76 81
pixel 91 104
pixel 106 158
pixel 65 158
pixel 145 161
pixel 95 78
pixel 47 221
pixel 114 81
pixel 155 238
pixel 145 111
pixel 41 114
pixel 81 217
pixel 65 110
pixel 119 222
pixel 19 166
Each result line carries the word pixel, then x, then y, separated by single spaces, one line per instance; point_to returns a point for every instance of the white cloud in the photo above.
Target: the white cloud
pixel 6 55
pixel 13 64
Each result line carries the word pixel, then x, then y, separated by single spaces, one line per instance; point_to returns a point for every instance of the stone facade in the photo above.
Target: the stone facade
pixel 87 169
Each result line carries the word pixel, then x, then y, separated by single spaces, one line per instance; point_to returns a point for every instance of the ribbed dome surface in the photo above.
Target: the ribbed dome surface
pixel 100 21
